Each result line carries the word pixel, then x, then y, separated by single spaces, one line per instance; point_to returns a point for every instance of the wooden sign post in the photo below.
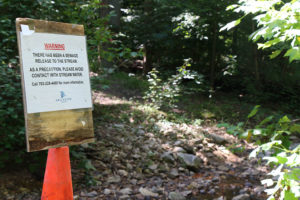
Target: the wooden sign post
pixel 56 94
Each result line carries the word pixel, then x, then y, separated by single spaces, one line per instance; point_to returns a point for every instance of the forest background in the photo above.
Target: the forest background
pixel 181 48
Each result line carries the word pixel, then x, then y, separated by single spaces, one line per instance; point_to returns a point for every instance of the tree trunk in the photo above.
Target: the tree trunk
pixel 148 61
pixel 234 41
pixel 255 58
pixel 114 21
pixel 213 55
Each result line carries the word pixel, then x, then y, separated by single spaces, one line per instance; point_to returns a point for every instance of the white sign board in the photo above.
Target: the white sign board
pixel 55 71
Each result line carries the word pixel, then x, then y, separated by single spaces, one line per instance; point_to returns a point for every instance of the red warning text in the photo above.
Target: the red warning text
pixel 53 46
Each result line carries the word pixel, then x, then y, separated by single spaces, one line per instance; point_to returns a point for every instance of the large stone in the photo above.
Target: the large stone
pixel 190 160
pixel 176 196
pixel 242 197
pixel 218 139
pixel 179 150
pixel 147 193
pixel 167 156
pixel 123 172
pixel 114 179
pixel 107 191
pixel 173 173
pixel 126 191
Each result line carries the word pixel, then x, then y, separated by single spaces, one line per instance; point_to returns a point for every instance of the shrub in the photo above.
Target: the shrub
pixel 12 134
pixel 164 93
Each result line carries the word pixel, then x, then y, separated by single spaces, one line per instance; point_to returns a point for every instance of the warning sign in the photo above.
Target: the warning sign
pixel 55 81
pixel 56 72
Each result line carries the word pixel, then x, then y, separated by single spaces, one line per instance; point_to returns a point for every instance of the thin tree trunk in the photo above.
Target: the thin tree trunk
pixel 114 21
pixel 255 58
pixel 148 8
pixel 213 55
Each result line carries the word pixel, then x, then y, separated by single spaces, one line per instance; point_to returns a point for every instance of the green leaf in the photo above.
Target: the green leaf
pixel 254 152
pixel 293 175
pixel 231 7
pixel 288 195
pixel 266 120
pixel 133 54
pixel 254 111
pixel 89 166
pixel 281 159
pixel 284 119
pixel 231 25
pixel 271 160
pixel 293 54
pixel 295 128
pixel 276 171
pixel 257 131
pixel 275 54
pixel 268 182
pixel 269 145
pixel 296 190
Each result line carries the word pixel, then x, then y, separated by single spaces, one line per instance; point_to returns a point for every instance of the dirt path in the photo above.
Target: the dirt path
pixel 141 154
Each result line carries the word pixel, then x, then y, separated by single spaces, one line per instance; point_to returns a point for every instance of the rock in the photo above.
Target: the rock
pixel 243 191
pixel 189 149
pixel 178 142
pixel 124 197
pixel 174 173
pixel 147 193
pixel 215 179
pixel 133 181
pixel 179 150
pixel 212 191
pixel 107 191
pixel 186 192
pixel 119 126
pixel 126 191
pixel 140 132
pixel 259 189
pixel 129 166
pixel 123 172
pixel 181 169
pixel 202 191
pixel 153 167
pixel 90 194
pixel 114 179
pixel 242 197
pixel 190 160
pixel 193 185
pixel 220 198
pixel 176 196
pixel 223 168
pixel 217 138
pixel 248 184
pixel 167 156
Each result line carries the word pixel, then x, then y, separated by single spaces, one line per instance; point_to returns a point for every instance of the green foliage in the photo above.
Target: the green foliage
pixel 84 163
pixel 278 22
pixel 164 93
pixel 285 180
pixel 96 30
pixel 12 131
pixel 233 129
pixel 273 137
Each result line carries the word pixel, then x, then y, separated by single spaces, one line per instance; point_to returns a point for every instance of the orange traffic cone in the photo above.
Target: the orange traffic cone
pixel 57 179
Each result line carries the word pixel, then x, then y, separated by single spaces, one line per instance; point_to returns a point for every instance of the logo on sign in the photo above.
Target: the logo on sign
pixel 62 94
pixel 62 98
